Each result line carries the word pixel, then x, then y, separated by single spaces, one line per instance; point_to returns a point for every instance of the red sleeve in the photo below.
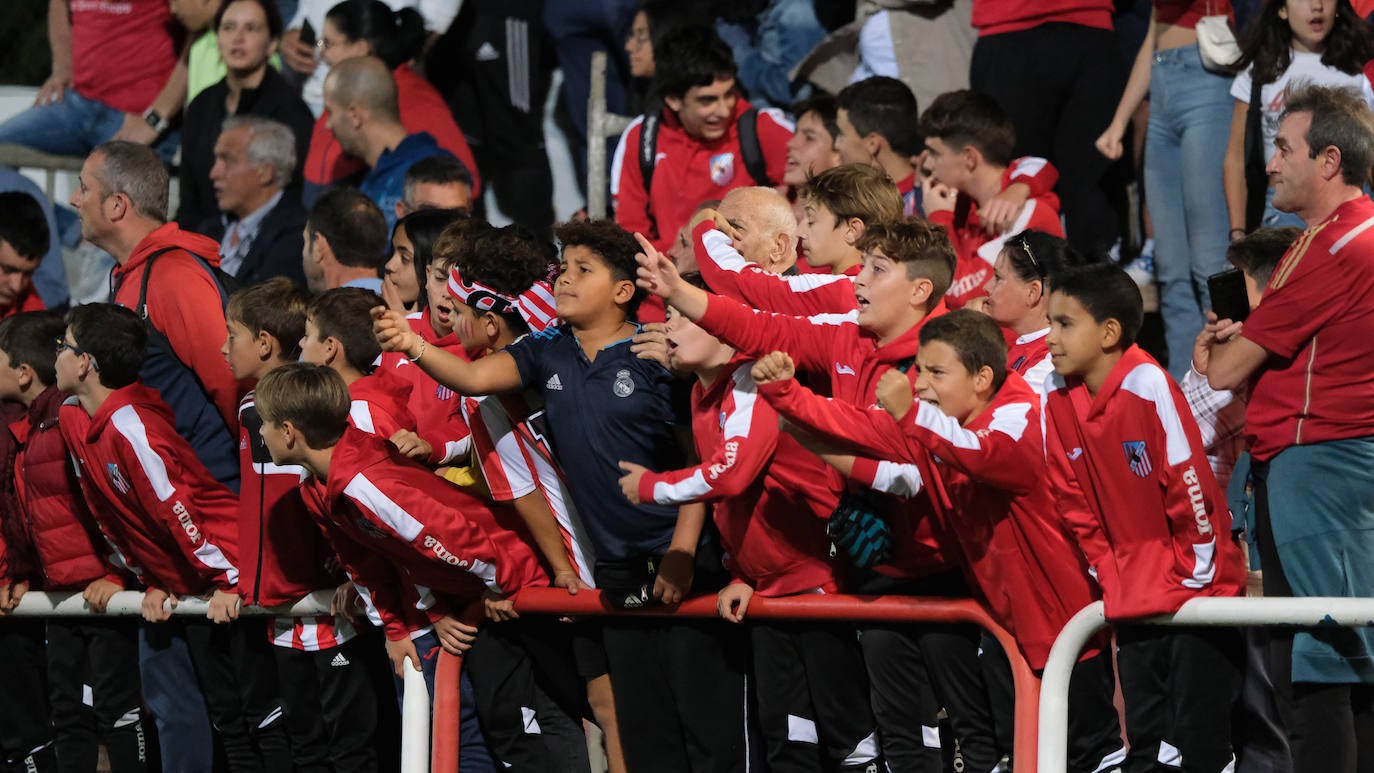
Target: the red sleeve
pixel 449 439
pixel 184 303
pixel 395 601
pixel 773 136
pixel 1036 173
pixel 1003 455
pixel 627 188
pixel 756 334
pixel 1299 300
pixel 866 431
pixel 160 484
pixel 728 273
pixel 1073 506
pixel 750 436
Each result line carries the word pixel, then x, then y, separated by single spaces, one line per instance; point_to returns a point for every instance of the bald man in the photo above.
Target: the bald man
pixel 765 227
pixel 364 115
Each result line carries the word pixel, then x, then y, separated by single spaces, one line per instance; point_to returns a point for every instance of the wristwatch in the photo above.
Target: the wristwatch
pixel 155 119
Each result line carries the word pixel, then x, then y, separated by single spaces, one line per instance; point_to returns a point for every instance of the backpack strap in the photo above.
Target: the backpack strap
pixel 648 148
pixel 751 152
pixel 1256 179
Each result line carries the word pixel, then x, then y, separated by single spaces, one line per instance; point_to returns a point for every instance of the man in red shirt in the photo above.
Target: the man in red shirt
pixel 24 240
pixel 699 153
pixel 1304 351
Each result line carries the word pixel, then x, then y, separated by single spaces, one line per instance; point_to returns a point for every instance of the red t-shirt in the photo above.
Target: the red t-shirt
pixel 1317 323
pixel 122 51
pixel 1187 13
pixel 994 17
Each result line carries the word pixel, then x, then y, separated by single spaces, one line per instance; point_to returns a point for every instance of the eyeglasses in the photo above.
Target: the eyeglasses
pixel 61 344
pixel 321 46
pixel 640 37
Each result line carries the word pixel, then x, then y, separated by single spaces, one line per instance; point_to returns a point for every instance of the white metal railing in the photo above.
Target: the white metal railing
pixel 600 125
pixel 129 602
pixel 415 721
pixel 1054 685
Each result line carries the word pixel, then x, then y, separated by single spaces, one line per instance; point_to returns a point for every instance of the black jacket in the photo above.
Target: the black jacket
pixel 276 250
pixel 273 98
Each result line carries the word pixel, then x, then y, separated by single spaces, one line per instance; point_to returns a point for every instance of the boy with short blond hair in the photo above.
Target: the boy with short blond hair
pixel 328 703
pixel 1134 486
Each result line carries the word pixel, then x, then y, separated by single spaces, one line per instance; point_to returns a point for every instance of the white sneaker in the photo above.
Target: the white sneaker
pixel 1142 271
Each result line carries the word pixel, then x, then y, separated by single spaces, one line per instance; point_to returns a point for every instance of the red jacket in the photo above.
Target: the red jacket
pixel 380 404
pixel 184 303
pixel 1029 356
pixel 174 524
pixel 28 300
pixel 987 484
pixel 396 518
pixel 688 171
pixel 434 406
pixel 423 109
pixel 852 362
pixel 771 497
pixel 282 555
pixel 53 523
pixel 1132 481
pixel 727 273
pixel 976 248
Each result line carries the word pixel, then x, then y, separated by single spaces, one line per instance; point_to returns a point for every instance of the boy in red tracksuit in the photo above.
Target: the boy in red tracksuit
pixel 392 517
pixel 338 335
pixel 906 268
pixel 771 499
pixel 1132 482
pixel 969 141
pixel 838 204
pixel 328 702
pixel 698 155
pixel 51 543
pixel 975 435
pixel 160 507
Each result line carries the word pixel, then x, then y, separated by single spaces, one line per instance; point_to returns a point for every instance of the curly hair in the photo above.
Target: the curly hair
pixel 456 242
pixel 613 244
pixel 922 246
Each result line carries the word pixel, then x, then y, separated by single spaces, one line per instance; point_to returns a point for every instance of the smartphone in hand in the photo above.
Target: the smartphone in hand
pixel 308 33
pixel 1229 298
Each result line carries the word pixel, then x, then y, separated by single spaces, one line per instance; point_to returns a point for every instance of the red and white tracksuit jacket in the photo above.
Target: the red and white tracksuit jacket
pixel 434 406
pixel 397 524
pixel 987 484
pixel 1132 481
pixel 771 496
pixel 174 525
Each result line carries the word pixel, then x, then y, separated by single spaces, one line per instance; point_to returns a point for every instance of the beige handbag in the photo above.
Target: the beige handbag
pixel 1216 43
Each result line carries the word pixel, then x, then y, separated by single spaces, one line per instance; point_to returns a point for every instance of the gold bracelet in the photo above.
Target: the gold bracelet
pixel 416 358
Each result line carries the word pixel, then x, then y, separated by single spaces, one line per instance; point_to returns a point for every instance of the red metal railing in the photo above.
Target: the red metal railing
pixel 887 609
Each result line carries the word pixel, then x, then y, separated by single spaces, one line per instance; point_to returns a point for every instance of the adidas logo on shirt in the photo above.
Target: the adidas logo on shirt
pixel 339 660
pixel 553 384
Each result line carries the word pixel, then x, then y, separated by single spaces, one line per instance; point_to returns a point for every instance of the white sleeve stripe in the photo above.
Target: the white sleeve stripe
pixel 126 420
pixel 847 318
pixel 988 251
pixel 802 283
pixel 1039 374
pixel 1204 566
pixel 688 490
pixel 744 395
pixel 395 516
pixel 903 480
pixel 1350 235
pixel 779 118
pixel 1010 419
pixel 210 555
pixel 1028 166
pixel 1149 383
pixel 722 252
pixel 361 414
pixel 618 158
pixel 947 427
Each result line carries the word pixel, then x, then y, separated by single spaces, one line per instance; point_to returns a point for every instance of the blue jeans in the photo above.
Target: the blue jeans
pixel 1190 117
pixel 1274 218
pixel 173 696
pixel 73 127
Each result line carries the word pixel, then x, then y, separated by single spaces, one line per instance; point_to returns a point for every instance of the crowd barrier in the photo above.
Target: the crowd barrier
pixel 1054 688
pixel 600 125
pixel 20 157
pixel 855 609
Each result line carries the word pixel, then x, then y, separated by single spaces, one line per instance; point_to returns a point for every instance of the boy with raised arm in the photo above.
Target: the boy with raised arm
pixel 605 405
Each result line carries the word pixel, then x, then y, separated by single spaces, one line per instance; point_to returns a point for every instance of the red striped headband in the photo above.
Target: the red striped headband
pixel 535 305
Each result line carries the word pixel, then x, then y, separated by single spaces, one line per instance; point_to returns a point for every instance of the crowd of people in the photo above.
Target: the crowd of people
pixel 863 322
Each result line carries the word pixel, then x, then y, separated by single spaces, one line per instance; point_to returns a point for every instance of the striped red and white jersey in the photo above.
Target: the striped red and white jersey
pixel 311 634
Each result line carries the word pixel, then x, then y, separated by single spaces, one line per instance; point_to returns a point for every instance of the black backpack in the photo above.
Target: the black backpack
pixel 751 152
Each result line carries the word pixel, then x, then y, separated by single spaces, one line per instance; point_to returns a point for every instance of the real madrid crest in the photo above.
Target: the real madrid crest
pixel 624 385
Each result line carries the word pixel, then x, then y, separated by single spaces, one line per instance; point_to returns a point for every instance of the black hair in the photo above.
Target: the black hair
pixel 1340 119
pixel 1106 291
pixel 275 307
pixel 114 337
pixel 423 228
pixel 665 16
pixel 689 57
pixel 695 279
pixel 438 169
pixel 1033 255
pixel 24 225
pixel 345 314
pixel 509 260
pixel 1268 43
pixel 825 108
pixel 976 338
pixel 269 10
pixel 613 245
pixel 352 224
pixel 1259 253
pixel 395 37
pixel 885 106
pixel 967 118
pixel 30 338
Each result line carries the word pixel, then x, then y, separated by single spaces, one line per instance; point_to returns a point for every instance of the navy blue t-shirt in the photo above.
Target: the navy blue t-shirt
pixel 599 413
